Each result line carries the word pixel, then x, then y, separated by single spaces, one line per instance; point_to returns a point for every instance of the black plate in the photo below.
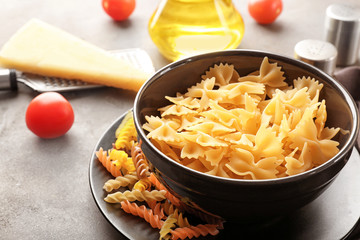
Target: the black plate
pixel 329 217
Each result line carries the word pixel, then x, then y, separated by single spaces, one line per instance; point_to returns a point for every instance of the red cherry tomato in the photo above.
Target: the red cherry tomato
pixel 49 115
pixel 119 9
pixel 265 11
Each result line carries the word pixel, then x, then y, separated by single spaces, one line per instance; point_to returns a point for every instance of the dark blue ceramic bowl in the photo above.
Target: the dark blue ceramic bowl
pixel 244 200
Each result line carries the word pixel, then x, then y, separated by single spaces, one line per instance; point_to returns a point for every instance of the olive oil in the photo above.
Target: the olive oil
pixel 181 28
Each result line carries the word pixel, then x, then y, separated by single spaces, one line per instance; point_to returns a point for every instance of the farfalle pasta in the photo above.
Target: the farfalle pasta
pixel 255 126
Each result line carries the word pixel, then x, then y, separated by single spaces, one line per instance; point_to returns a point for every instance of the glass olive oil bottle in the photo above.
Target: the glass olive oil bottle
pixel 181 28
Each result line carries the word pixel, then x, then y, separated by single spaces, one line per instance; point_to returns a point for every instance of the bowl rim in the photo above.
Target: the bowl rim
pixel 348 145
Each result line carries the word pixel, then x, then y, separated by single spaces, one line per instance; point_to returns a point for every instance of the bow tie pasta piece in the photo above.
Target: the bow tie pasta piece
pixel 311 84
pixel 164 147
pixel 200 89
pixel 189 120
pixel 223 73
pixel 162 129
pixel 297 98
pixel 295 165
pixel 214 128
pixel 189 102
pixel 321 116
pixel 242 163
pixel 306 132
pixel 267 144
pixel 177 110
pixel 204 91
pixel 329 133
pixel 203 139
pixel 270 74
pixel 215 155
pixel 240 88
pixel 245 141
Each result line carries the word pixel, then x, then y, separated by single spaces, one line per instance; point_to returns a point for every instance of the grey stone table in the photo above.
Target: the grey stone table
pixel 44 184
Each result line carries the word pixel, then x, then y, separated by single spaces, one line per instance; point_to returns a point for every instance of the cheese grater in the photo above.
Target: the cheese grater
pixel 9 77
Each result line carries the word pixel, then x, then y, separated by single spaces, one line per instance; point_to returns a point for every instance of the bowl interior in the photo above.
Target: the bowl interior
pixel 179 76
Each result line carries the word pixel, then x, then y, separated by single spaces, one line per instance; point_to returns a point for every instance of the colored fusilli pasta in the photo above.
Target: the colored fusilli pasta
pixel 144 196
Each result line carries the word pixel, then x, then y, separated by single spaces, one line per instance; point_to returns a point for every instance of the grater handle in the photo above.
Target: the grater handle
pixel 8 79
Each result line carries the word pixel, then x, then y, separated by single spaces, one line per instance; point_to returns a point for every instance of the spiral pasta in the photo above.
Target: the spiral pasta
pixel 120 181
pixel 126 135
pixel 157 208
pixel 135 195
pixel 144 196
pixel 141 165
pixel 167 227
pixel 128 165
pixel 141 211
pixel 168 207
pixel 180 219
pixel 159 186
pixel 142 184
pixel 112 167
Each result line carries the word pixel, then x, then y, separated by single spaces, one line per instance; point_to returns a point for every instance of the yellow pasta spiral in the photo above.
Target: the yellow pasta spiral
pixel 167 226
pixel 126 135
pixel 135 195
pixel 180 219
pixel 121 159
pixel 118 155
pixel 128 165
pixel 142 185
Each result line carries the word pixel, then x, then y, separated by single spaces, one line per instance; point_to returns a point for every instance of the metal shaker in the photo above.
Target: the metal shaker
pixel 320 54
pixel 342 28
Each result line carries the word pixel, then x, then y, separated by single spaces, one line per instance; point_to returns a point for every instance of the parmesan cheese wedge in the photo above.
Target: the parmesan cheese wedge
pixel 43 49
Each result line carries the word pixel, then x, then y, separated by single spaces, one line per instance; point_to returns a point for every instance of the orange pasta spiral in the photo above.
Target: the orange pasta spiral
pixel 194 231
pixel 168 207
pixel 140 162
pixel 112 167
pixel 142 212
pixel 157 208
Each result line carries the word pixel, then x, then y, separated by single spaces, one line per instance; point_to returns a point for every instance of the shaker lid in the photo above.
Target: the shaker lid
pixel 343 12
pixel 342 28
pixel 320 54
